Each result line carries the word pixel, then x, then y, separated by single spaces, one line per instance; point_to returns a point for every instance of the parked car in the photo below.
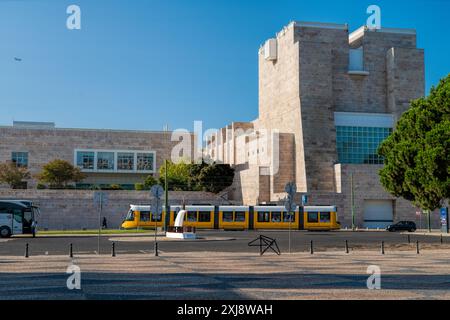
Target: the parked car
pixel 402 226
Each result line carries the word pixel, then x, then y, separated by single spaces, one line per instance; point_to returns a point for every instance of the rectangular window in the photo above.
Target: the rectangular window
pixel 263 216
pixel 191 216
pixel 145 216
pixel 288 216
pixel 276 216
pixel 356 61
pixel 227 216
pixel 20 159
pixel 105 161
pixel 204 217
pixel 145 162
pixel 156 217
pixel 359 145
pixel 325 217
pixel 240 216
pixel 85 160
pixel 125 161
pixel 313 217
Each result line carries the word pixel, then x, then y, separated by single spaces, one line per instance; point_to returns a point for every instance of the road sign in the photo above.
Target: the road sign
pixel 157 191
pixel 444 220
pixel 304 200
pixel 157 206
pixel 291 189
pixel 290 206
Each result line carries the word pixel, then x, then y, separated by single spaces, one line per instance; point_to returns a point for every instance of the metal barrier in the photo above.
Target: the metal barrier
pixel 265 243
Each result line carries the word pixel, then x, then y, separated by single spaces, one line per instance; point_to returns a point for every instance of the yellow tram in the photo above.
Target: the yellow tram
pixel 311 218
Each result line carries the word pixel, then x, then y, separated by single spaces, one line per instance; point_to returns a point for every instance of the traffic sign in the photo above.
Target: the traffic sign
pixel 291 189
pixel 157 191
pixel 290 206
pixel 304 200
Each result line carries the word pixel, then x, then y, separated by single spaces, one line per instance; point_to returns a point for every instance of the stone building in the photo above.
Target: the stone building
pixel 106 156
pixel 327 99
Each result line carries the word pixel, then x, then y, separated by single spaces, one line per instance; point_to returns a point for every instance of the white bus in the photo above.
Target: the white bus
pixel 17 217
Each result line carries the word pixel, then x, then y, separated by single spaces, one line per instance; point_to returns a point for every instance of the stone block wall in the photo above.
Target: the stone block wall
pixel 75 209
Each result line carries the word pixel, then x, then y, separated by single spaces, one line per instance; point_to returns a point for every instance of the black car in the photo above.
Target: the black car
pixel 402 226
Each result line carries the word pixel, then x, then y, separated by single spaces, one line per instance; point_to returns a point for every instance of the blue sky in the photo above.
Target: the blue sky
pixel 145 63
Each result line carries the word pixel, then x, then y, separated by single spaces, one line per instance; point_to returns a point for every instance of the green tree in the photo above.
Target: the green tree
pixel 215 177
pixel 177 176
pixel 149 182
pixel 58 173
pixel 13 175
pixel 417 154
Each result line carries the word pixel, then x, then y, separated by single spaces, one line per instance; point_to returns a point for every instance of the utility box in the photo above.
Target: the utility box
pixel 270 50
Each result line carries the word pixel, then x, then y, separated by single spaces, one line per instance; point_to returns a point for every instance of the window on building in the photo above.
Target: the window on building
pixel 359 145
pixel 105 161
pixel 145 162
pixel 356 62
pixel 125 161
pixel 85 160
pixel 313 217
pixel 20 159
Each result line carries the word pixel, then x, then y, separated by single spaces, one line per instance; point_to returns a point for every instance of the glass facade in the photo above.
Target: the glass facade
pixel 144 161
pixel 125 161
pixel 20 159
pixel 359 145
pixel 85 160
pixel 105 161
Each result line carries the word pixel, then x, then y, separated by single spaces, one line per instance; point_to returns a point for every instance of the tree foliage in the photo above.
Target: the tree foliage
pixel 197 176
pixel 58 173
pixel 13 175
pixel 417 154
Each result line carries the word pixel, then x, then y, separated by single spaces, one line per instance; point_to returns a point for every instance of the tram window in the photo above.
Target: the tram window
pixel 240 217
pixel 192 216
pixel 287 216
pixel 227 217
pixel 325 217
pixel 130 216
pixel 263 216
pixel 313 217
pixel 276 216
pixel 204 216
pixel 159 218
pixel 145 216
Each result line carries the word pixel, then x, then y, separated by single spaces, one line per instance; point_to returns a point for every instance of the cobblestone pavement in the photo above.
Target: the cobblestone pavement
pixel 212 275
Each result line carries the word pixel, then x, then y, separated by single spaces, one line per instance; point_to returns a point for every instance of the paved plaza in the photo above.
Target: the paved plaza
pixel 235 276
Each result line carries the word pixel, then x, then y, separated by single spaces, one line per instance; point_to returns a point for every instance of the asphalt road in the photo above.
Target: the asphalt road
pixel 300 242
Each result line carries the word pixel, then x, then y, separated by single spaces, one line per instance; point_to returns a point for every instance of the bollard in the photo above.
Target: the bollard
pixel 113 253
pixel 156 249
pixel 417 247
pixel 346 246
pixel 71 251
pixel 311 248
pixel 26 251
pixel 409 239
pixel 442 239
pixel 382 247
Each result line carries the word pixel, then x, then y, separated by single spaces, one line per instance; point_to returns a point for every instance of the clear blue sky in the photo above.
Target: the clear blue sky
pixel 145 63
